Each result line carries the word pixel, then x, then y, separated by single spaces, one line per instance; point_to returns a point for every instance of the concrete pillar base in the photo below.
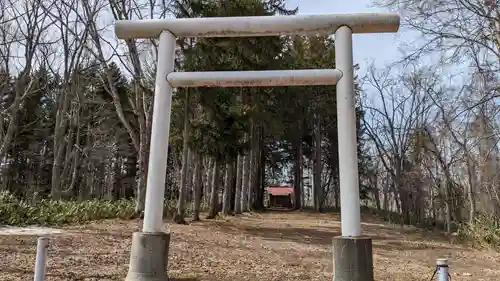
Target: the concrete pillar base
pixel 352 259
pixel 148 257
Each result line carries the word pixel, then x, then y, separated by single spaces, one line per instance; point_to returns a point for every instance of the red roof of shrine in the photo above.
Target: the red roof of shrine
pixel 280 190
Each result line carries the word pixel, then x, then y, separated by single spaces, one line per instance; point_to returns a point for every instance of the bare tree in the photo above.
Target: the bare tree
pixel 393 124
pixel 23 27
pixel 134 62
pixel 73 35
pixel 455 32
pixel 451 27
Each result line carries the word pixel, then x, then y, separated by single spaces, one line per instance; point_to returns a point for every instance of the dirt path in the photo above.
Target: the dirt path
pixel 271 246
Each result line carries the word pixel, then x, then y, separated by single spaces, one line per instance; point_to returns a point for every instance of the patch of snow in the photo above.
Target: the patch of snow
pixel 28 230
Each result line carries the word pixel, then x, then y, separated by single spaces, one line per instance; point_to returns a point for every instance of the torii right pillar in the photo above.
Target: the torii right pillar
pixel 352 253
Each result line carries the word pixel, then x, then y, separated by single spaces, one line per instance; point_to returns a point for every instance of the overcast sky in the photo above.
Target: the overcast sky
pixel 382 48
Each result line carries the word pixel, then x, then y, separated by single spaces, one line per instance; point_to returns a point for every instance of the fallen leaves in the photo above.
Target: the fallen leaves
pixel 271 246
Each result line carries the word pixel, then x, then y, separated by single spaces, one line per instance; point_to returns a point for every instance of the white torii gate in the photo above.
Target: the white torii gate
pixel 150 247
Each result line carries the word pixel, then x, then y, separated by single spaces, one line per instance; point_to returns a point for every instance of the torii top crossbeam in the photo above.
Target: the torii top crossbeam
pixel 258 26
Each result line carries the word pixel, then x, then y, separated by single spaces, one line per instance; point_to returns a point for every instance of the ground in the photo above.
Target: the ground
pixel 281 246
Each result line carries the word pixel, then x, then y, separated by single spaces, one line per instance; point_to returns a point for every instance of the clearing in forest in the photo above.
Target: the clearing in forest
pixel 281 246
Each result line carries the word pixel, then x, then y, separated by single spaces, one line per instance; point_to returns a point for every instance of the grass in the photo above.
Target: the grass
pixel 483 233
pixel 18 212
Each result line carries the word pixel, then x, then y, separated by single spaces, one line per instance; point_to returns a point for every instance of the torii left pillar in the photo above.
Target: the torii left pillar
pixel 149 252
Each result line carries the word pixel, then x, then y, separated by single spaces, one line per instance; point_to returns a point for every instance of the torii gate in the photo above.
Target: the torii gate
pixel 352 252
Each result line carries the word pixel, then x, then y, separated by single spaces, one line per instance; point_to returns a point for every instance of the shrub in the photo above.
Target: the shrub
pixel 15 211
pixel 483 232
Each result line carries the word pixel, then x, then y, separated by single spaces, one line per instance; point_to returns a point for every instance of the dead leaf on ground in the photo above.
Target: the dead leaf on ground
pixel 270 246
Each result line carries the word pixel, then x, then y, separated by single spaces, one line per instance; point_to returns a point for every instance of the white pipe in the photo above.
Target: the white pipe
pixel 442 265
pixel 324 24
pixel 255 78
pixel 41 258
pixel 346 122
pixel 153 213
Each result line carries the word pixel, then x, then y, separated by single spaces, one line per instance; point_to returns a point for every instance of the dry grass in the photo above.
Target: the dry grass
pixel 270 246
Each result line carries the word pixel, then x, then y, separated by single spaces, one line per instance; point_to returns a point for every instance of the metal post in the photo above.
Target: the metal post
pixel 41 258
pixel 346 122
pixel 442 269
pixel 153 213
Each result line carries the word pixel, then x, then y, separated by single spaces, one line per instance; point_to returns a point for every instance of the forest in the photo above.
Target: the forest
pixel 76 113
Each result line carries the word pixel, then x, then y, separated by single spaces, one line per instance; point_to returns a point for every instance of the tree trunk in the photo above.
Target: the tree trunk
pixel 318 192
pixel 239 185
pixel 297 167
pixel 261 177
pixel 214 196
pixel 245 183
pixel 179 216
pixel 197 186
pixel 59 144
pixel 471 188
pixel 336 189
pixel 444 187
pixel 257 171
pixel 385 203
pixel 376 192
pixel 207 186
pixel 301 177
pixel 252 168
pixel 190 178
pixel 226 199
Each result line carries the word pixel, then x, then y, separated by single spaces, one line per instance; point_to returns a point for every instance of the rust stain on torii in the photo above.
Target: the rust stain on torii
pixel 255 78
pixel 258 26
